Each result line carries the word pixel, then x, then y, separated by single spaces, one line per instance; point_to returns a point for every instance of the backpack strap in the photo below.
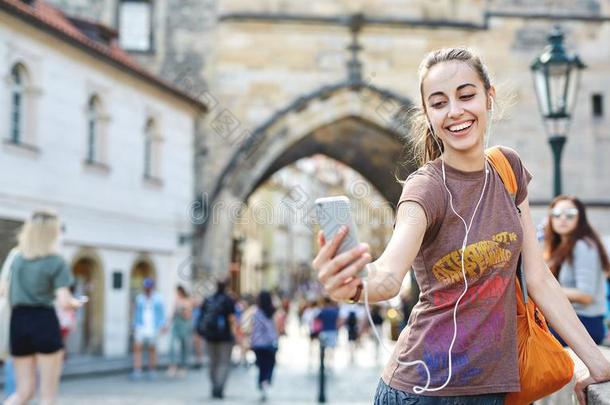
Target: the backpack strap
pixel 504 169
pixel 499 161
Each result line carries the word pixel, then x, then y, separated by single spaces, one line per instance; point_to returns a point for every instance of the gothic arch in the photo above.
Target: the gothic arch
pixel 359 124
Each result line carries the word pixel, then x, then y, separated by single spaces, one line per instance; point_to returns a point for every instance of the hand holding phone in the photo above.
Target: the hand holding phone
pixel 332 214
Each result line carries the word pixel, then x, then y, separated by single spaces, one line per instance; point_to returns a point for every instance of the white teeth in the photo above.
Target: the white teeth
pixel 460 127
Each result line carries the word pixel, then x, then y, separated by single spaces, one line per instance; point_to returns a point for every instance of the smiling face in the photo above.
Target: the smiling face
pixel 456 104
pixel 564 217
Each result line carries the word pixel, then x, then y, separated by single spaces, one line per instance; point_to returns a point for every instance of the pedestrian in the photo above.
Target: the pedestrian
pixel 9 372
pixel 197 339
pixel 352 316
pixel 408 299
pixel 282 316
pixel 39 275
pixel 245 328
pixel 463 234
pixel 149 321
pixel 264 341
pixel 329 332
pixel 313 327
pixel 181 332
pixel 67 321
pixel 577 258
pixel 218 326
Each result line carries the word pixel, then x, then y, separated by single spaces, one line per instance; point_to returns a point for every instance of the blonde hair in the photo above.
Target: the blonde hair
pixel 425 147
pixel 39 235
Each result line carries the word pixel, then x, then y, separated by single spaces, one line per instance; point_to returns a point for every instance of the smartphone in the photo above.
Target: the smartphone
pixel 333 213
pixel 83 299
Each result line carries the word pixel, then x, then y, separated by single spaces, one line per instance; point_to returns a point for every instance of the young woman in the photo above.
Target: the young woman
pixel 264 340
pixel 39 276
pixel 456 200
pixel 577 258
pixel 181 332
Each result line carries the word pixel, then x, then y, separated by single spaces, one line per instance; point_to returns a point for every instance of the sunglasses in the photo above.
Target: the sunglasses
pixel 569 213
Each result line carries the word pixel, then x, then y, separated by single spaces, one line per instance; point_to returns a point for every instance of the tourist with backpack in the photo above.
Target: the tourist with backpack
pixel 218 326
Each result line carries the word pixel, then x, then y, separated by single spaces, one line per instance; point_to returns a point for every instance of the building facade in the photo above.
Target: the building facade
pixel 86 132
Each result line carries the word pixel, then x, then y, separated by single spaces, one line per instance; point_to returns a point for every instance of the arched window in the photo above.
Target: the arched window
pixel 93 129
pixel 148 148
pixel 18 103
pixel 152 150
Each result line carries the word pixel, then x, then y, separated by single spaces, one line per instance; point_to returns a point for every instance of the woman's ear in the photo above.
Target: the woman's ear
pixel 491 95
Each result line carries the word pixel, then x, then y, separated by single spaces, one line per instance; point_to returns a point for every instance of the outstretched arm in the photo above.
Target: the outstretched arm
pixel 339 274
pixel 550 297
pixel 387 273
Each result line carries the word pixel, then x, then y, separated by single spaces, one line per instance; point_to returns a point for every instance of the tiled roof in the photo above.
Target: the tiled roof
pixel 45 16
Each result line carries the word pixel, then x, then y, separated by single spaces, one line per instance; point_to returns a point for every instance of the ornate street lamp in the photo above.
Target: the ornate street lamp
pixel 556 80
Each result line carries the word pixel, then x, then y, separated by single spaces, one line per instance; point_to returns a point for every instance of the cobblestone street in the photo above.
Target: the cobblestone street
pixel 295 382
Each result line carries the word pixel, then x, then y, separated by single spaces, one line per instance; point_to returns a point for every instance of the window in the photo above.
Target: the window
pixel 597 104
pixel 152 151
pixel 93 130
pixel 135 25
pixel 17 120
pixel 148 146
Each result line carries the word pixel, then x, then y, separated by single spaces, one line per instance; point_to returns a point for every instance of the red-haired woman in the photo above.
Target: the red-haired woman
pixel 577 258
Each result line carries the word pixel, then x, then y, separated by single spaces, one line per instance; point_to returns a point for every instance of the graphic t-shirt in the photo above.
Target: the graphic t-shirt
pixel 484 356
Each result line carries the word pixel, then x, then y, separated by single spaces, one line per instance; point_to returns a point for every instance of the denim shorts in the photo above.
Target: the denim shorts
pixel 329 338
pixel 387 395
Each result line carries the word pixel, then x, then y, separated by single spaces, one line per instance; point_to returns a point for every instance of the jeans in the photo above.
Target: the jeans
pixel 181 334
pixel 220 364
pixel 265 361
pixel 181 341
pixel 387 395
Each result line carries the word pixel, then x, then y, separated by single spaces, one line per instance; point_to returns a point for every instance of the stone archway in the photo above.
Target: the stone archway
pixel 357 124
pixel 87 336
pixel 142 268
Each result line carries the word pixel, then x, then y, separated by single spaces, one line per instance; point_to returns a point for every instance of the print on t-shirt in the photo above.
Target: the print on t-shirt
pixel 480 257
pixel 475 334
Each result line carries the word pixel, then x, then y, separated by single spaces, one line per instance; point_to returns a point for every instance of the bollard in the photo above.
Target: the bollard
pixel 322 380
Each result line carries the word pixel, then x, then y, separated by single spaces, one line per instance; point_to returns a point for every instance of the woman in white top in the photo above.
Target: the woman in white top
pixel 577 258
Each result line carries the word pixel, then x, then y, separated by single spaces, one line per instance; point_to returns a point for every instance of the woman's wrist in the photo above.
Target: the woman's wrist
pixel 600 371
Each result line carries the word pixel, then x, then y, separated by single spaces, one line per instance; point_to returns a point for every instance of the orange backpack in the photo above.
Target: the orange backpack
pixel 544 365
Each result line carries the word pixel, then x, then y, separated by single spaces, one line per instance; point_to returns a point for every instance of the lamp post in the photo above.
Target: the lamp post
pixel 556 80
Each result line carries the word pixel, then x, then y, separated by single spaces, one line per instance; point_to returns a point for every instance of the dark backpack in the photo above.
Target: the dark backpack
pixel 212 323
